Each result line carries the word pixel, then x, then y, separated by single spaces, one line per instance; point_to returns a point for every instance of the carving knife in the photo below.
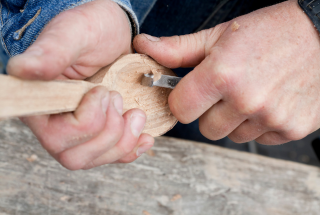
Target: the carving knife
pixel 160 80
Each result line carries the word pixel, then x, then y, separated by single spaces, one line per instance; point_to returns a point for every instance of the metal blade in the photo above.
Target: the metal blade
pixel 166 81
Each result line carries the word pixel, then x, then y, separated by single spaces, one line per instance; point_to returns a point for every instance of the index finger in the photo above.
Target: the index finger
pixel 196 92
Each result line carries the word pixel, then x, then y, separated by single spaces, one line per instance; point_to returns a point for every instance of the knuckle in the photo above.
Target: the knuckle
pixel 240 138
pixel 277 121
pixel 178 110
pixel 62 60
pixel 116 126
pixel 90 165
pixel 91 123
pixel 53 147
pixel 210 130
pixel 272 138
pixel 216 83
pixel 70 162
pixel 296 134
pixel 126 148
pixel 126 160
pixel 250 106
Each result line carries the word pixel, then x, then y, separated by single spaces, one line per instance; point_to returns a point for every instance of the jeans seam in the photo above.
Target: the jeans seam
pixel 70 7
pixel 26 4
pixel 8 9
pixel 4 44
pixel 21 30
pixel 1 13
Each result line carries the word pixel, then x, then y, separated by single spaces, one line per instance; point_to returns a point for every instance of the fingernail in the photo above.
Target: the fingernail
pixel 142 149
pixel 118 104
pixel 137 124
pixel 105 103
pixel 152 38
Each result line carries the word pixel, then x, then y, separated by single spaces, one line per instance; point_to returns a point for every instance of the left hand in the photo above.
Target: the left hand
pixel 256 77
pixel 75 45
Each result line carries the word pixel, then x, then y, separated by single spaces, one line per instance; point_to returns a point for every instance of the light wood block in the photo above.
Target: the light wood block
pixel 22 98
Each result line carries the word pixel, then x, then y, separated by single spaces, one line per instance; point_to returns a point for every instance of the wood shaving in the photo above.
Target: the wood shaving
pixel 235 26
pixel 151 153
pixel 137 100
pixel 146 213
pixel 65 198
pixel 176 197
pixel 32 158
pixel 156 75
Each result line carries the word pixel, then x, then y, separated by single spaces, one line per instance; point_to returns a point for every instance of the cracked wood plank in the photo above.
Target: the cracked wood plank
pixel 180 178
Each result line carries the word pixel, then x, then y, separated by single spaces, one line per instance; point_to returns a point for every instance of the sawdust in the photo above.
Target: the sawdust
pixel 235 26
pixel 156 75
pixel 32 158
pixel 65 198
pixel 151 153
pixel 176 197
pixel 165 102
pixel 146 213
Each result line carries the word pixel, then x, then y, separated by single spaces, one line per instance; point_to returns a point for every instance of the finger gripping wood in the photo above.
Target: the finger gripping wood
pixel 125 77
pixel 23 98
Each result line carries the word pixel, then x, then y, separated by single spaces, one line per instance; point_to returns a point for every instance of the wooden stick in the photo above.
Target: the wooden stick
pixel 22 98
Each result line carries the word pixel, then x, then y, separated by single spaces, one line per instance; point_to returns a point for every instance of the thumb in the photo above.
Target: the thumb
pixel 56 49
pixel 179 51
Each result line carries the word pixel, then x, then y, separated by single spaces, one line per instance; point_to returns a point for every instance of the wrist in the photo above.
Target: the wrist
pixel 122 28
pixel 133 20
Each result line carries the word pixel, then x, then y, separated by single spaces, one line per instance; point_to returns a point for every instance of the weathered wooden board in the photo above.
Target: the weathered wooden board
pixel 177 178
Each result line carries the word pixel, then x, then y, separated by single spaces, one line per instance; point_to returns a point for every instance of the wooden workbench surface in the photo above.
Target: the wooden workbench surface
pixel 178 178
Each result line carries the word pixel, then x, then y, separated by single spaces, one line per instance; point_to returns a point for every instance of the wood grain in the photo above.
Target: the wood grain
pixel 178 178
pixel 125 77
pixel 22 98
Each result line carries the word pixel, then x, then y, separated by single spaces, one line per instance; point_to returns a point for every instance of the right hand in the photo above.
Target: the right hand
pixel 75 45
pixel 255 77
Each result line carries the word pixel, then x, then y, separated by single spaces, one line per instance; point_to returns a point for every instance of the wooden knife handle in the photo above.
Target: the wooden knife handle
pixel 21 98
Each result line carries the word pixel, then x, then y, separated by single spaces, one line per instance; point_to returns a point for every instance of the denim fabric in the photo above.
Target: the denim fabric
pixel 142 8
pixel 3 60
pixel 23 20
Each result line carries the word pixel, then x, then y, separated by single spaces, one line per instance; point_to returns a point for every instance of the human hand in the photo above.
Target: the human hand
pixel 75 45
pixel 256 77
